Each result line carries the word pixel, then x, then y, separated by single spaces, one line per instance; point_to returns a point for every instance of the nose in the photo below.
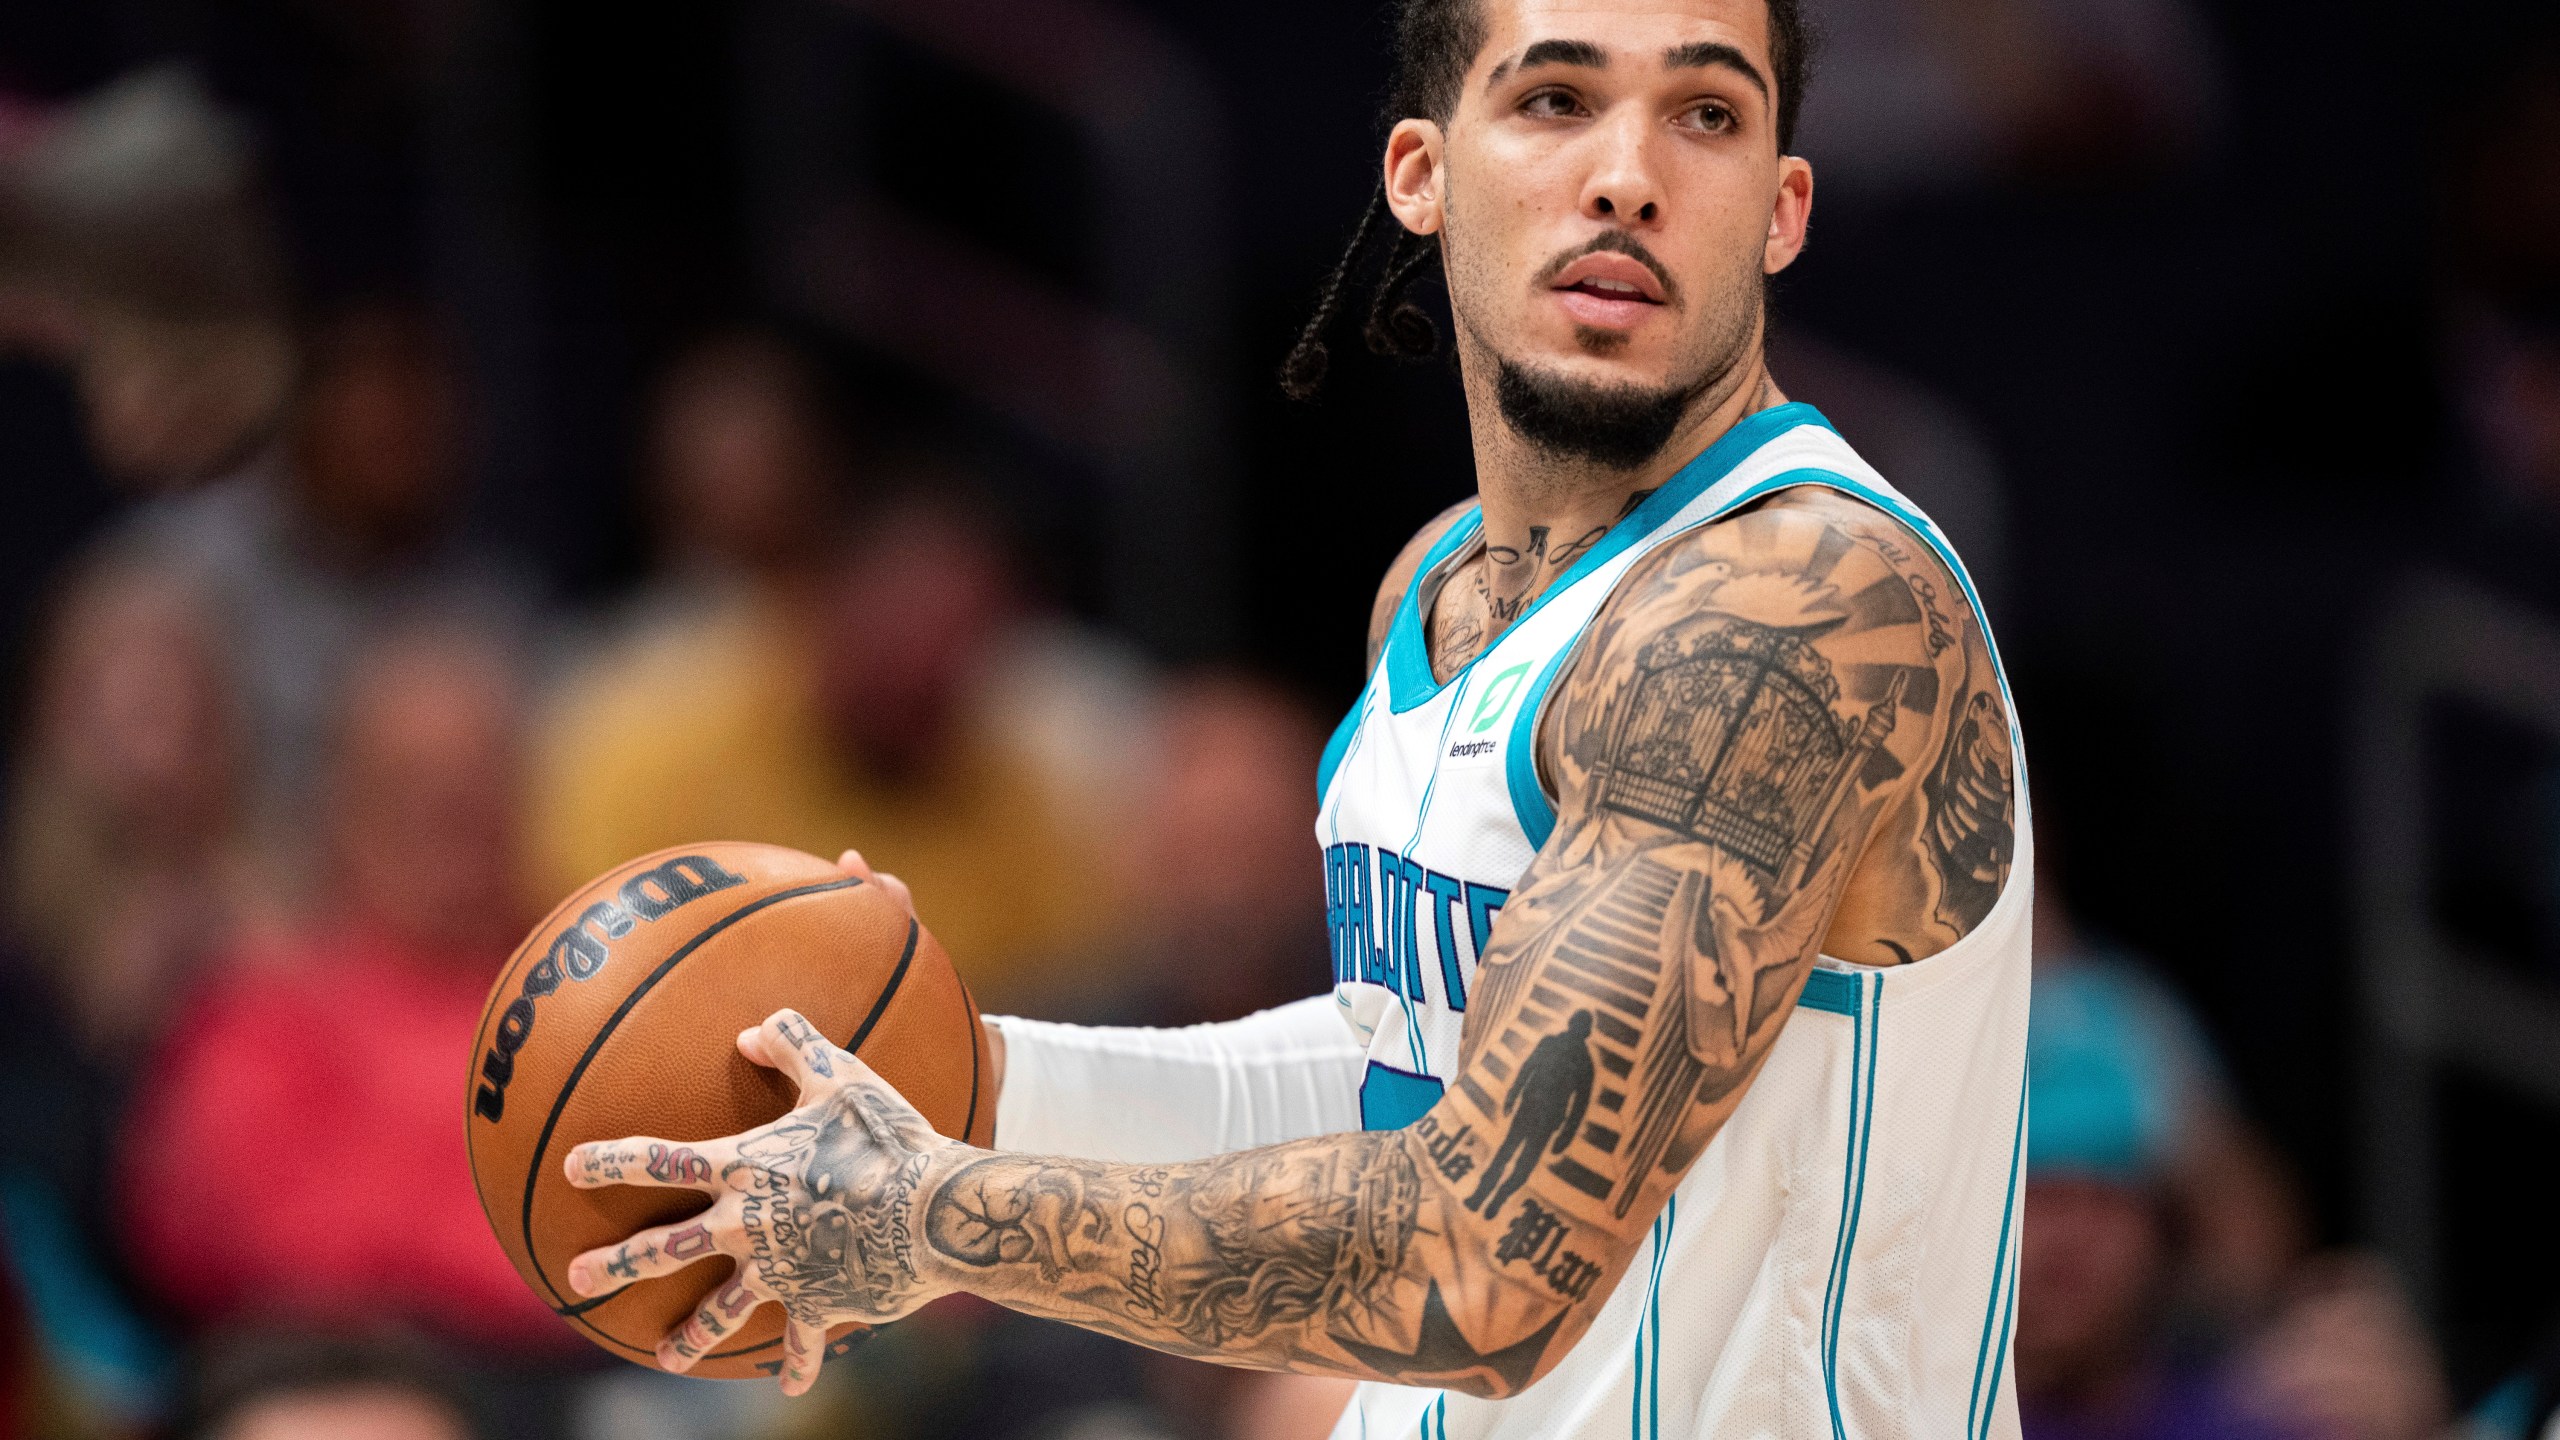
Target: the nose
pixel 1622 187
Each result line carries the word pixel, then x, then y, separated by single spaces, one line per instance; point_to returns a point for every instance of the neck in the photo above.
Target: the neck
pixel 1541 510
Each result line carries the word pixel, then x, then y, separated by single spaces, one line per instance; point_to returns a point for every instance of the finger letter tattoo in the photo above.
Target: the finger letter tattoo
pixel 677 1165
pixel 813 1046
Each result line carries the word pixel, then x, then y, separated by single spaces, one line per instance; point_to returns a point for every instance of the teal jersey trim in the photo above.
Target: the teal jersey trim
pixel 1338 748
pixel 1835 991
pixel 1391 1099
pixel 1409 678
pixel 1978 1408
pixel 1863 1046
pixel 1406 661
pixel 1645 1405
pixel 1529 804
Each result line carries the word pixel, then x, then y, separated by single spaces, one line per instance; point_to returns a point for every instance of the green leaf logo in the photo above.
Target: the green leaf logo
pixel 1499 692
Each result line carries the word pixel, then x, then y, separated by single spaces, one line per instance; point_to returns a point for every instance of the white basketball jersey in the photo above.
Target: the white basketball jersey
pixel 1842 1260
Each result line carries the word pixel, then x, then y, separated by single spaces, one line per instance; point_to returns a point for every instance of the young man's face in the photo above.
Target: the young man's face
pixel 1610 192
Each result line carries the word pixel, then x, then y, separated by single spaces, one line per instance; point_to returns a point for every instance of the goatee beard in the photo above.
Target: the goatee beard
pixel 1616 427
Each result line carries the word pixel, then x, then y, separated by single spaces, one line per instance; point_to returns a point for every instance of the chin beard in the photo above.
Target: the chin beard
pixel 1616 427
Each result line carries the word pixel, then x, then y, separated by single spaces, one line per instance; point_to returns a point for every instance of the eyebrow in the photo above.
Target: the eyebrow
pixel 1553 52
pixel 1699 54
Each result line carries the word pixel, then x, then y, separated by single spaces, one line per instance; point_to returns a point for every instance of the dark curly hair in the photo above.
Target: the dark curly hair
pixel 1436 42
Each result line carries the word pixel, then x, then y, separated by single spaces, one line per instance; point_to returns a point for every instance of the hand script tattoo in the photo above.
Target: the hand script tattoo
pixel 828 1197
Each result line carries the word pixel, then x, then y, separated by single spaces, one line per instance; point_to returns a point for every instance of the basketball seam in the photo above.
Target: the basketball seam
pixel 977 1043
pixel 888 992
pixel 560 1102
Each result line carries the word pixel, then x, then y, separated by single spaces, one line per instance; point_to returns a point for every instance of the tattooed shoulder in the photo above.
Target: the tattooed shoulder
pixel 1803 676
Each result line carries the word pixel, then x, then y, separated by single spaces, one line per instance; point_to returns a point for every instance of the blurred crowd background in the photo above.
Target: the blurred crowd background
pixel 448 447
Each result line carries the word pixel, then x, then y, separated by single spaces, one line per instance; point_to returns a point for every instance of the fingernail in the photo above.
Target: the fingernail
pixel 578 1276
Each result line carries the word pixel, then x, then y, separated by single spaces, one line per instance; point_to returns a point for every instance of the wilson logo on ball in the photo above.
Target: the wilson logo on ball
pixel 580 950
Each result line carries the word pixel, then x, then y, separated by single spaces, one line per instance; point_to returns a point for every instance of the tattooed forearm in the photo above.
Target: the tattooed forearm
pixel 1353 1255
pixel 1275 1246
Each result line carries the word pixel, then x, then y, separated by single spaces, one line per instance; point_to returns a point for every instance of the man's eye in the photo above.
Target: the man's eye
pixel 1551 104
pixel 1714 117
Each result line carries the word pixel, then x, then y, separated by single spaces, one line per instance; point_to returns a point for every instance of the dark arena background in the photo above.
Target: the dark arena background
pixel 451 446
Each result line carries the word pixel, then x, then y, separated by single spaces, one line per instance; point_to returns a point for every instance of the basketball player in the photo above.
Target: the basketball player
pixel 1676 853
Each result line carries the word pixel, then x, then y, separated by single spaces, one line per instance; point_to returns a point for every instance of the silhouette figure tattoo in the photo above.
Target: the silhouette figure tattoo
pixel 1546 1103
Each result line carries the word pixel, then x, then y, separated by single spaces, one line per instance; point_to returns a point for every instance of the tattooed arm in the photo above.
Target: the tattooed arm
pixel 1759 728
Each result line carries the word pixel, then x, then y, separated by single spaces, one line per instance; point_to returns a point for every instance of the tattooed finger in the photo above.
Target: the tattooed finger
pixel 645 1256
pixel 710 1326
pixel 641 1161
pixel 804 1348
pixel 794 1046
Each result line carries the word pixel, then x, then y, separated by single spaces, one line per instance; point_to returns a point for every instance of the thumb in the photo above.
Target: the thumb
pixel 852 863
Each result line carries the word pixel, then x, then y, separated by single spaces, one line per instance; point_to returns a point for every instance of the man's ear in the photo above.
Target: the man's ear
pixel 1415 187
pixel 1789 217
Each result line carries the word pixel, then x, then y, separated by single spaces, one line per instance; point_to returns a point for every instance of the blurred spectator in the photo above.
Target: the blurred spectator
pixel 1212 863
pixel 286 1386
pixel 136 247
pixel 126 870
pixel 2345 1356
pixel 348 527
pixel 2159 1287
pixel 2107 1079
pixel 2240 1224
pixel 857 717
pixel 126 855
pixel 745 466
pixel 745 473
pixel 341 1038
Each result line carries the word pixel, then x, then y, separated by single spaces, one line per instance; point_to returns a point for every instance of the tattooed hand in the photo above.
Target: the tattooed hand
pixel 820 1208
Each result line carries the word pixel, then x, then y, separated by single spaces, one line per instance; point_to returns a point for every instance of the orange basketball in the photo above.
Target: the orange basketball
pixel 619 1016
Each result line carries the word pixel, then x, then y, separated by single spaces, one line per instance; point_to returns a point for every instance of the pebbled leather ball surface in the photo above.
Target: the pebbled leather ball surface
pixel 619 1015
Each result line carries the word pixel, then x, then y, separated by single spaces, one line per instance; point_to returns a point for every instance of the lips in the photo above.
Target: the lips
pixel 1609 290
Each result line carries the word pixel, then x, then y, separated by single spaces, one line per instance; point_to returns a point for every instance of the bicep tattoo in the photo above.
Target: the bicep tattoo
pixel 1744 717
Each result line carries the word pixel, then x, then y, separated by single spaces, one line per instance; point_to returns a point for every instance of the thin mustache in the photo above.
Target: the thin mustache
pixel 1622 243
